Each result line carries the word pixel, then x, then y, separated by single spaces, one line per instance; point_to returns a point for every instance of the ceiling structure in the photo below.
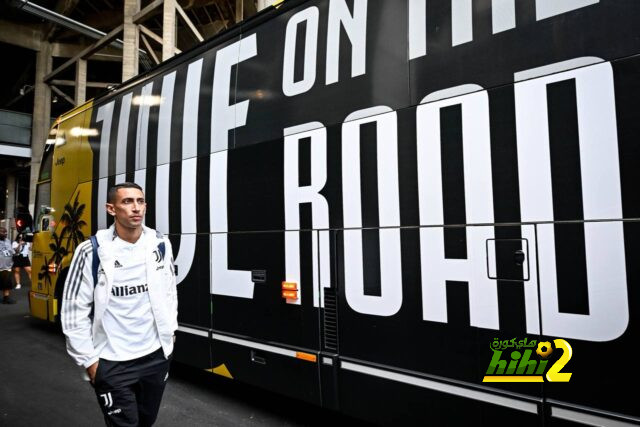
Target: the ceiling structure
pixel 22 29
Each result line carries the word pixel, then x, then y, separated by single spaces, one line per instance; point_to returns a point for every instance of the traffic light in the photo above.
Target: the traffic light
pixel 24 223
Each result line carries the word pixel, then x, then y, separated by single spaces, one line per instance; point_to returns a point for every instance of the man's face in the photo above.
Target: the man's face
pixel 128 207
pixel 3 233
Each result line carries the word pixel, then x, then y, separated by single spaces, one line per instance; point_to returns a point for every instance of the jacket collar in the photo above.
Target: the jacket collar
pixel 106 238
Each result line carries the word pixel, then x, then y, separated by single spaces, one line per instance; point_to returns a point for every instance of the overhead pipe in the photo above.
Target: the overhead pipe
pixel 74 25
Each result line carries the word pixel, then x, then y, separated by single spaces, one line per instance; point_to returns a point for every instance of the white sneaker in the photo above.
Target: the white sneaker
pixel 18 285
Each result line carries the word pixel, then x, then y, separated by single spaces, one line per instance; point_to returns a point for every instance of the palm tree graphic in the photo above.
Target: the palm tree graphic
pixel 44 273
pixel 59 251
pixel 72 218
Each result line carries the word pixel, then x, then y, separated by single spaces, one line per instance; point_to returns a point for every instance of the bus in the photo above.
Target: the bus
pixel 411 212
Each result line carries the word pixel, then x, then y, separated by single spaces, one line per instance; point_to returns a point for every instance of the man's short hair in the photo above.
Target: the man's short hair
pixel 111 195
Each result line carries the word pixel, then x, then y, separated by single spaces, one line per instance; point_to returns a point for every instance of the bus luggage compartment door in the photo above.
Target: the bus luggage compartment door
pixel 418 314
pixel 261 336
pixel 588 274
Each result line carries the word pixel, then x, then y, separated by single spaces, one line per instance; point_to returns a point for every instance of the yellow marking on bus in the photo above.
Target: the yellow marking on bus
pixel 221 370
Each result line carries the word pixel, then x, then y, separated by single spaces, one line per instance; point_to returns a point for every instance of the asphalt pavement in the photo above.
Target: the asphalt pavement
pixel 40 385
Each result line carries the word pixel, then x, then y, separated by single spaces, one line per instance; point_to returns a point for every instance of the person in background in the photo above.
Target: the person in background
pixel 6 261
pixel 21 259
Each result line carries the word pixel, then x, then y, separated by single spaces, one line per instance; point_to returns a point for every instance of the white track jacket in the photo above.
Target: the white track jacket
pixel 86 338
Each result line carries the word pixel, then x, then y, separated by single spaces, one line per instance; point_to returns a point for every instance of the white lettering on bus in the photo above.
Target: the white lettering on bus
pixel 503 15
pixel 390 299
pixel 600 174
pixel 604 241
pixel 225 117
pixel 104 115
pixel 548 8
pixel 355 26
pixel 436 269
pixel 294 196
pixel 289 86
pixel 188 187
pixel 164 152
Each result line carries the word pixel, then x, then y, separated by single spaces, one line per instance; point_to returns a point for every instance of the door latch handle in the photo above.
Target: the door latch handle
pixel 257 358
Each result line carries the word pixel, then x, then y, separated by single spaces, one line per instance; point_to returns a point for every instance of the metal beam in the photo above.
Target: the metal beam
pixel 63 50
pixel 86 52
pixel 222 18
pixel 71 24
pixel 148 11
pixel 63 7
pixel 102 85
pixel 95 9
pixel 63 21
pixel 29 37
pixel 188 22
pixel 64 95
pixel 150 49
pixel 206 11
pixel 232 11
pixel 24 36
pixel 153 36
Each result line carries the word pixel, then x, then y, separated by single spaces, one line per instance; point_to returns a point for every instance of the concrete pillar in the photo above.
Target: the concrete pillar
pixel 239 10
pixel 169 29
pixel 131 40
pixel 81 82
pixel 10 203
pixel 247 8
pixel 41 119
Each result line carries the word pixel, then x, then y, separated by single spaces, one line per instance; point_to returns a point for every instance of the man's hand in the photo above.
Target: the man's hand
pixel 91 371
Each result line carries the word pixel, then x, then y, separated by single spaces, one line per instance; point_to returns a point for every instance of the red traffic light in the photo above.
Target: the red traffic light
pixel 23 222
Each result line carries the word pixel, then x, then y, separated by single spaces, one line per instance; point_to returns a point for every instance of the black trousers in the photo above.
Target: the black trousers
pixel 130 392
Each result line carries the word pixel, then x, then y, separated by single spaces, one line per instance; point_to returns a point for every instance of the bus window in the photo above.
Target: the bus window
pixel 44 217
pixel 47 161
pixel 43 211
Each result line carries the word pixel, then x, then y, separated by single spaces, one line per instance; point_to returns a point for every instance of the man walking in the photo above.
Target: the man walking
pixel 120 316
pixel 6 262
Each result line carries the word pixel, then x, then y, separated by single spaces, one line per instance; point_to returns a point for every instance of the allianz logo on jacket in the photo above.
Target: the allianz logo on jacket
pixel 123 291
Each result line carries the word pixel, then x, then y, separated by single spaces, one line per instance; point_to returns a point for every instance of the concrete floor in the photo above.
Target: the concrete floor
pixel 40 385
